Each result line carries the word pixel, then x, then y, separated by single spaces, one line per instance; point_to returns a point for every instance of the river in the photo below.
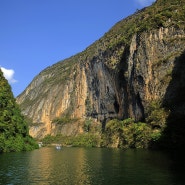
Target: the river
pixel 91 166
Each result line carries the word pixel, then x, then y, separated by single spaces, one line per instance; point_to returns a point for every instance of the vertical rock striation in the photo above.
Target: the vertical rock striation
pixel 116 77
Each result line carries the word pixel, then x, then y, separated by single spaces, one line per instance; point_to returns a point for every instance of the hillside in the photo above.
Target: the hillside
pixel 134 71
pixel 13 127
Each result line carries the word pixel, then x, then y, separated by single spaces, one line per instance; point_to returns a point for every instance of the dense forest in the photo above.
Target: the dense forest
pixel 13 127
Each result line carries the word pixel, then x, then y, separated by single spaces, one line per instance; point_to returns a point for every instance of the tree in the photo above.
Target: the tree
pixel 14 134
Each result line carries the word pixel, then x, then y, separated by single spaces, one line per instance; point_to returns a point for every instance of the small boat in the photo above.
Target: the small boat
pixel 58 147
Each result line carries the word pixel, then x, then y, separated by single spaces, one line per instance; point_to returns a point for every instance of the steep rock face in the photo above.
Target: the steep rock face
pixel 150 64
pixel 45 99
pixel 116 77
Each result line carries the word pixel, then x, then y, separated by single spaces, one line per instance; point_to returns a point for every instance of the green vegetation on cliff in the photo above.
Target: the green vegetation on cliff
pixel 135 70
pixel 163 13
pixel 118 134
pixel 13 127
pixel 81 140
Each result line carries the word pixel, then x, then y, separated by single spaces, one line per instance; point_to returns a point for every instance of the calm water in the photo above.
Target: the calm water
pixel 91 166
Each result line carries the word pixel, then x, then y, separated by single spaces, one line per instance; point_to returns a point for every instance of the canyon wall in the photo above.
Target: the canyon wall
pixel 116 77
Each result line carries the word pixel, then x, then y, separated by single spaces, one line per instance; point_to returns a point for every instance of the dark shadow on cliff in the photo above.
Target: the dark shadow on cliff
pixel 173 137
pixel 174 100
pixel 131 103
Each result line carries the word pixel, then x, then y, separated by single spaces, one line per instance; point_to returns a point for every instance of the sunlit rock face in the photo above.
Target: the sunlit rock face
pixel 115 77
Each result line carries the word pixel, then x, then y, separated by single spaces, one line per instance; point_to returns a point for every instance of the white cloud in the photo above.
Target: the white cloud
pixel 145 2
pixel 9 75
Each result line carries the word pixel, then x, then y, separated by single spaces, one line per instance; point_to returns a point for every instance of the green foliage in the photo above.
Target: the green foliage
pixel 48 139
pixel 156 135
pixel 118 133
pixel 64 120
pixel 64 140
pixel 87 125
pixel 17 143
pixel 157 115
pixel 85 140
pixel 13 127
pixel 128 134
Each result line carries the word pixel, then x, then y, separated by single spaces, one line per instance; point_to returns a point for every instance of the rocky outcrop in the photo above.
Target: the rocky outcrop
pixel 116 77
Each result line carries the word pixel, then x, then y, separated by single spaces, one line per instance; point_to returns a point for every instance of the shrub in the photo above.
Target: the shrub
pixel 64 120
pixel 87 140
pixel 156 135
pixel 87 124
pixel 157 115
pixel 48 139
pixel 127 134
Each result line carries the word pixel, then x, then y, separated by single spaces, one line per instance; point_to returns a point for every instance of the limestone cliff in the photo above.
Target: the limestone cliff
pixel 116 77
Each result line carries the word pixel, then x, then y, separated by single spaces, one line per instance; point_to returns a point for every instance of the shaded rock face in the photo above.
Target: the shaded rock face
pixel 174 100
pixel 102 83
pixel 149 67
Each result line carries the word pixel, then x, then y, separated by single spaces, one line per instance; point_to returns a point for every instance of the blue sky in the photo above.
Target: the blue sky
pixel 35 34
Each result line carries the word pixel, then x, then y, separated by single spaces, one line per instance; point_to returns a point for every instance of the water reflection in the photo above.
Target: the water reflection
pixel 58 167
pixel 91 166
pixel 11 169
pixel 40 166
